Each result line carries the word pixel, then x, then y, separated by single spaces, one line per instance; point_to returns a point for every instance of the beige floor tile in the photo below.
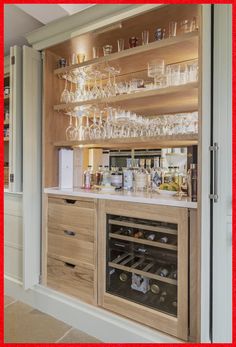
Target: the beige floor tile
pixel 8 300
pixel 25 324
pixel 78 336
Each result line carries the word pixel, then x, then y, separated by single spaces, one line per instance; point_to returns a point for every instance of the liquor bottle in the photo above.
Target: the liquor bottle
pixel 128 175
pixel 151 237
pixel 155 289
pixel 174 303
pixel 123 277
pixel 164 272
pixel 162 297
pixel 192 182
pixel 174 274
pixel 139 234
pixel 106 177
pixel 88 177
pixel 162 169
pixel 156 174
pixel 116 177
pixel 193 168
pixel 141 177
pixel 148 169
pixel 163 239
pixel 98 176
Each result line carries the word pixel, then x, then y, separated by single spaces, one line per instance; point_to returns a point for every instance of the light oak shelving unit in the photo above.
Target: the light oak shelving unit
pixel 169 100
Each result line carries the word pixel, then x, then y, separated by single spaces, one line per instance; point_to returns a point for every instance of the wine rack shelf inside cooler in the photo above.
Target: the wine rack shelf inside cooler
pixel 151 264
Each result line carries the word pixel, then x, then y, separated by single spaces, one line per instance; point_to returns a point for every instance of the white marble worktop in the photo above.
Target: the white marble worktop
pixel 138 197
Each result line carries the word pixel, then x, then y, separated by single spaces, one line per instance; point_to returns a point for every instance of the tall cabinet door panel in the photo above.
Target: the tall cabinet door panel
pixel 32 93
pixel 222 206
pixel 15 143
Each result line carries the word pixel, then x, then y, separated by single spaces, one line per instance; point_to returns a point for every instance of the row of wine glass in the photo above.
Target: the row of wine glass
pixel 100 82
pixel 110 123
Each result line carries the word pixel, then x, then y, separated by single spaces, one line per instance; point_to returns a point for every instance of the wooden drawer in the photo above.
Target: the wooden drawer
pixel 76 280
pixel 71 213
pixel 69 246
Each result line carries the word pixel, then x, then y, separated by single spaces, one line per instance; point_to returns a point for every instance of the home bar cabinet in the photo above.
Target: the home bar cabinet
pixel 90 248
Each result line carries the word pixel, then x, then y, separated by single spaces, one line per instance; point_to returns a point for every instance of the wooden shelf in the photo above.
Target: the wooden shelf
pixel 133 269
pixel 182 98
pixel 6 98
pixel 6 122
pixel 143 241
pixel 158 229
pixel 185 47
pixel 6 139
pixel 138 142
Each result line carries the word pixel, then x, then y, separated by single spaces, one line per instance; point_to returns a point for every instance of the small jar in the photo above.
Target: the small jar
pixel 61 63
pixel 133 41
pixel 159 34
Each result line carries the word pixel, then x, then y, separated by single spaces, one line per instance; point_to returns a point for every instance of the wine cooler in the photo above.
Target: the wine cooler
pixel 145 265
pixel 142 262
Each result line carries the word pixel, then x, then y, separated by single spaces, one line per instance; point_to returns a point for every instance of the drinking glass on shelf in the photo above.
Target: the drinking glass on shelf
pixel 107 49
pixel 94 128
pixel 175 74
pixel 70 129
pixel 96 51
pixel 108 89
pixel 120 45
pixel 78 124
pixel 156 70
pixel 86 128
pixel 183 78
pixel 95 90
pixel 193 71
pixel 101 129
pixel 194 24
pixel 172 29
pixel 65 95
pixel 80 57
pixel 145 37
pixel 74 59
pixel 114 70
pixel 185 26
pixel 72 96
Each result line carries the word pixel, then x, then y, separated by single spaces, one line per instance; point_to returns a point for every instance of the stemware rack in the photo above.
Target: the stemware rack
pixel 170 99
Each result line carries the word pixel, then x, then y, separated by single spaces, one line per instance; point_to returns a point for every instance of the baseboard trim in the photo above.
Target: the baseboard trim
pixel 94 321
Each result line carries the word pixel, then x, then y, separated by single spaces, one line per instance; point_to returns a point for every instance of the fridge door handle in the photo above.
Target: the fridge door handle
pixel 214 194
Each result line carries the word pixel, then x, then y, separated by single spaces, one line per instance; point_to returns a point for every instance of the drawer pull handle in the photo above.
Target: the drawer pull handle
pixel 72 266
pixel 70 201
pixel 69 232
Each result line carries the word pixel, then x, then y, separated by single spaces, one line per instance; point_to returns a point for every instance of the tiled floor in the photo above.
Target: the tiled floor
pixel 23 323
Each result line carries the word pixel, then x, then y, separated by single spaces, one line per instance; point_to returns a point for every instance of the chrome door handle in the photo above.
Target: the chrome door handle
pixel 214 194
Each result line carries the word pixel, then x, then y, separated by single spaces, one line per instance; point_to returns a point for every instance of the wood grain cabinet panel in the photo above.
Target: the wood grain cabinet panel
pixel 71 212
pixel 73 279
pixel 72 247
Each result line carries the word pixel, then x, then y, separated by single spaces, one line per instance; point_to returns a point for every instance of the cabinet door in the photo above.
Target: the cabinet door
pixel 143 264
pixel 15 122
pixel 222 209
pixel 32 114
